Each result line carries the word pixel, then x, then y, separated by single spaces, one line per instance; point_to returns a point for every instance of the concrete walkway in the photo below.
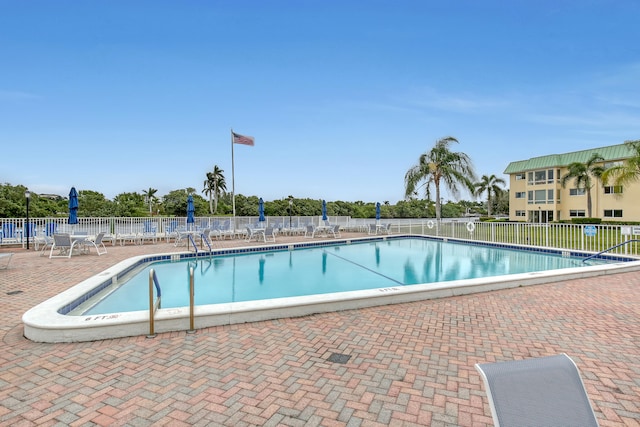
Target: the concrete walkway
pixel 408 364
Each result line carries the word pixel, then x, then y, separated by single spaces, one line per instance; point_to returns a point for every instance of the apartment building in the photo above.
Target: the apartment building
pixel 536 193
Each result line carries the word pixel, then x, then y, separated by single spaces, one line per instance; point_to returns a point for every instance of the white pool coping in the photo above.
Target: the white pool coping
pixel 44 323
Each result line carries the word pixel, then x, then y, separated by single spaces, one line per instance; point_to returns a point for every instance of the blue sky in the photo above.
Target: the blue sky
pixel 341 96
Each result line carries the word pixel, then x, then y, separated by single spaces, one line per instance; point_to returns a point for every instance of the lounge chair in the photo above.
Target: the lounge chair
pixel 255 232
pixel 43 240
pixel 170 231
pixel 310 231
pixel 96 243
pixel 386 228
pixel 335 230
pixel 545 391
pixel 269 234
pixel 373 229
pixel 8 233
pixel 63 243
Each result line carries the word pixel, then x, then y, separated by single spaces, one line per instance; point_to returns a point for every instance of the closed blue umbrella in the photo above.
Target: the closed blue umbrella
pixel 191 210
pixel 261 210
pixel 378 211
pixel 324 210
pixel 73 206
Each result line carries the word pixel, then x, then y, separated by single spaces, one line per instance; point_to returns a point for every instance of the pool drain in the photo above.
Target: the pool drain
pixel 14 292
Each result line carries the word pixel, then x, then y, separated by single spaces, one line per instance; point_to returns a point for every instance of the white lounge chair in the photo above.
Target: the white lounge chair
pixel 63 243
pixel 310 231
pixel 96 243
pixel 373 229
pixel 544 391
pixel 254 233
pixel 335 230
pixel 42 240
pixel 269 234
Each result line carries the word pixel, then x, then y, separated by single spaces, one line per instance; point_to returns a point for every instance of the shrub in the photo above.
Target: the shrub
pixel 586 220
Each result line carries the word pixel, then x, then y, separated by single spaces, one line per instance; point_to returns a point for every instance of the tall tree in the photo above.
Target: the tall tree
pixel 583 174
pixel 440 166
pixel 490 184
pixel 149 198
pixel 629 171
pixel 215 186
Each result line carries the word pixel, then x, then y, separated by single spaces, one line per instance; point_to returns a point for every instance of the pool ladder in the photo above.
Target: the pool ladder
pixel 155 305
pixel 608 249
pixel 203 238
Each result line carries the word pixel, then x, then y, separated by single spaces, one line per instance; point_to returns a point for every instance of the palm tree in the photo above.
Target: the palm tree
pixel 582 174
pixel 490 184
pixel 214 187
pixel 440 165
pixel 630 170
pixel 149 197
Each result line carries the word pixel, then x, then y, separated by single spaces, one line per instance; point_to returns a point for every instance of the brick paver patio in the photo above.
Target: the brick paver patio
pixel 410 364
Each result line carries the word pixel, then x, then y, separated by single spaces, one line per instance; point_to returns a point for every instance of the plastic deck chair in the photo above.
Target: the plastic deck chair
pixel 545 391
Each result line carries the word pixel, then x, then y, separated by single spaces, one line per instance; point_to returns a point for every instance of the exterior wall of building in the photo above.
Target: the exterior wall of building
pixel 538 196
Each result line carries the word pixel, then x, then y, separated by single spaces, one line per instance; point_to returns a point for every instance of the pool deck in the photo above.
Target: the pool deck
pixel 410 363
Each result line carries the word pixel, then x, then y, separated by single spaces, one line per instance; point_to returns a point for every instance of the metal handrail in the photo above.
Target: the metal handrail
pixel 195 247
pixel 608 249
pixel 206 240
pixel 191 302
pixel 153 306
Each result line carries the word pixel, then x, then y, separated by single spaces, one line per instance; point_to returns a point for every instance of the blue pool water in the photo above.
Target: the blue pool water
pixel 327 269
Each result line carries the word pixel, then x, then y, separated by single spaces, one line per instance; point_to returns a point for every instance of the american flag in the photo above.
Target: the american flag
pixel 241 139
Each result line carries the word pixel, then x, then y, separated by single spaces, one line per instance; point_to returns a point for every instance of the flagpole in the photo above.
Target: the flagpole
pixel 233 181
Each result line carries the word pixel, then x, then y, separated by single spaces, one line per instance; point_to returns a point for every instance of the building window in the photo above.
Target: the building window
pixel 613 213
pixel 521 194
pixel 530 178
pixel 576 213
pixel 541 196
pixel 541 177
pixel 521 213
pixel 520 176
pixel 613 189
pixel 550 176
pixel 608 165
pixel 577 191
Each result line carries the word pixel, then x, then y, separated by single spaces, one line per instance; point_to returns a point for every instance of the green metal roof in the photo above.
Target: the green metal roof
pixel 611 153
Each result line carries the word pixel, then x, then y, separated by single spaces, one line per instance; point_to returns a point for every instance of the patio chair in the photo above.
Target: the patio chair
pixel 170 231
pixel 44 240
pixel 254 232
pixel 63 244
pixel 310 231
pixel 269 234
pixel 373 229
pixel 386 228
pixel 96 243
pixel 335 230
pixel 544 391
pixel 8 233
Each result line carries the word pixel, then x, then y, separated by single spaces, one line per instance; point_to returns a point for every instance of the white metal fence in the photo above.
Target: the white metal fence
pixel 592 238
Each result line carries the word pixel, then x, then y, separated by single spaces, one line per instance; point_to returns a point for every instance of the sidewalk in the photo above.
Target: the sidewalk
pixel 408 364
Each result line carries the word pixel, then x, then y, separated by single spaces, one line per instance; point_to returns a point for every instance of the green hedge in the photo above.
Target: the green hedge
pixel 586 220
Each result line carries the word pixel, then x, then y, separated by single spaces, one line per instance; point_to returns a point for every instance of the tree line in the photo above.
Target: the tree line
pixel 438 167
pixel 95 204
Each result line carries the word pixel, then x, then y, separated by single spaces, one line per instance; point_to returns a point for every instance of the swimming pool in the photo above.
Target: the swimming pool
pixel 320 270
pixel 383 263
